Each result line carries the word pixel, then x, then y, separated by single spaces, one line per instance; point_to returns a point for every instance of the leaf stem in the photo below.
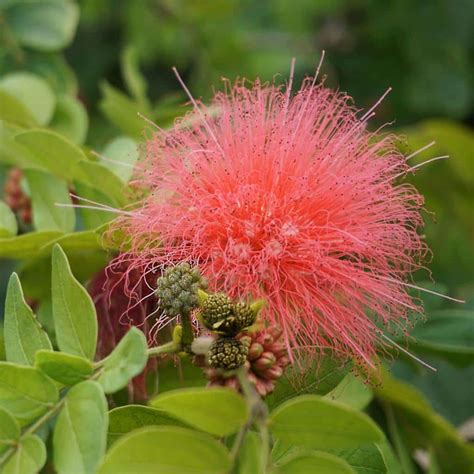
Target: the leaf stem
pixel 168 348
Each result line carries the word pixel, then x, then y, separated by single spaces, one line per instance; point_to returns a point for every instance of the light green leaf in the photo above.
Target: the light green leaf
pixel 80 433
pixel 126 361
pixel 132 76
pixel 315 461
pixel 48 25
pixel 13 110
pixel 313 422
pixel 67 369
pixel 352 392
pixel 74 314
pixel 366 459
pixel 26 245
pixel 123 153
pixel 70 119
pixel 123 112
pixel 218 411
pixel 52 152
pixel 127 418
pixel 29 457
pixel 25 392
pixel 8 224
pixel 93 218
pixel 46 192
pixel 22 331
pixel 33 92
pixel 250 455
pixel 166 450
pixel 9 430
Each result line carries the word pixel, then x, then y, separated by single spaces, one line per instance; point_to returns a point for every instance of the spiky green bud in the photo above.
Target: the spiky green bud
pixel 215 309
pixel 227 353
pixel 177 289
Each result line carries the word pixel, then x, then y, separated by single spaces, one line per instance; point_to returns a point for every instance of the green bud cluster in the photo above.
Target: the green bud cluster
pixel 227 353
pixel 177 289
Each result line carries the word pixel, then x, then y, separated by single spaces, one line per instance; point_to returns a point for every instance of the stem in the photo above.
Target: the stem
pixel 167 348
pixel 188 334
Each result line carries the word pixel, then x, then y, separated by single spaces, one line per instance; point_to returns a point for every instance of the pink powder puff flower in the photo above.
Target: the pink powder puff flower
pixel 289 198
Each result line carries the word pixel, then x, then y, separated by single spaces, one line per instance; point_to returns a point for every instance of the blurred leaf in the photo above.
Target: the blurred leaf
pixel 127 360
pixel 25 392
pixel 52 152
pixel 9 430
pixel 46 192
pixel 166 449
pixel 29 457
pixel 70 119
pixel 422 427
pixel 26 245
pixel 448 334
pixel 315 461
pixel 33 92
pixel 93 218
pixel 123 112
pixel 366 459
pixel 8 224
pixel 127 418
pixel 317 377
pixel 123 153
pixel 250 459
pixel 11 152
pixel 218 411
pixel 80 433
pixel 313 422
pixel 352 392
pixel 13 110
pixel 74 314
pixel 22 331
pixel 48 25
pixel 132 76
pixel 180 374
pixel 67 369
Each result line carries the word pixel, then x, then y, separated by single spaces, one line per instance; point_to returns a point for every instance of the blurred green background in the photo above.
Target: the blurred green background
pixel 112 58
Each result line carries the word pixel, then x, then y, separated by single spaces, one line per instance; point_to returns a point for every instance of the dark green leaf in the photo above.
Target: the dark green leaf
pixel 126 361
pixel 29 457
pixel 313 422
pixel 134 80
pixel 25 392
pixel 22 331
pixel 166 450
pixel 47 192
pixel 218 411
pixel 74 314
pixel 65 368
pixel 80 433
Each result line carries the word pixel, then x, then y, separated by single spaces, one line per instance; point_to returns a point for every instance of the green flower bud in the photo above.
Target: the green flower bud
pixel 227 353
pixel 215 309
pixel 177 289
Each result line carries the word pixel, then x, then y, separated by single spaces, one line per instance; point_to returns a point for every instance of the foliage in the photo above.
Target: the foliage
pixel 76 140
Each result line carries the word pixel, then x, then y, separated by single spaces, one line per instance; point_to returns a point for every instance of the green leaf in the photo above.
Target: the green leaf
pixel 126 361
pixel 123 153
pixel 132 76
pixel 52 152
pixel 166 450
pixel 80 433
pixel 33 92
pixel 93 218
pixel 74 314
pixel 26 245
pixel 65 368
pixel 352 392
pixel 218 411
pixel 250 455
pixel 70 119
pixel 316 377
pixel 13 110
pixel 313 422
pixel 29 457
pixel 9 430
pixel 46 192
pixel 315 461
pixel 48 25
pixel 448 334
pixel 22 331
pixel 124 419
pixel 123 112
pixel 365 459
pixel 8 224
pixel 25 392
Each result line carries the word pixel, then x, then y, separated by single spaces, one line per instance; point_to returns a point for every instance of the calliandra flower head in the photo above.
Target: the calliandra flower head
pixel 292 199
